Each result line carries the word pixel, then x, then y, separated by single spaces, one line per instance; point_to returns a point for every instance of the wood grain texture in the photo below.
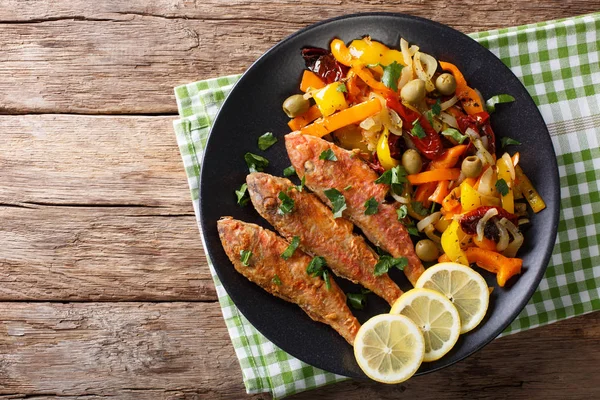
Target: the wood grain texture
pixel 125 57
pixel 182 351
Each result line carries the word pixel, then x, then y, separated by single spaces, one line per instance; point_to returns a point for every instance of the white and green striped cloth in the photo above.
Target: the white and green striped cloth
pixel 558 62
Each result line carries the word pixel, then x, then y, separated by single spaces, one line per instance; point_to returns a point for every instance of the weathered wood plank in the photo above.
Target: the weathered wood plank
pixel 182 350
pixel 125 57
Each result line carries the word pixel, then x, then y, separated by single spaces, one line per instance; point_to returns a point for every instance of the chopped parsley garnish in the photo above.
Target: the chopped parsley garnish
pixel 287 204
pixel 300 187
pixel 291 248
pixel 412 229
pixel 429 116
pixel 455 134
pixel 436 108
pixel 267 140
pixel 245 257
pixel 402 212
pixel 255 162
pixel 242 195
pixel 276 280
pixel 328 155
pixel 418 207
pixel 391 74
pixel 338 201
pixel 385 263
pixel 506 141
pixel 348 187
pixel 289 171
pixel 502 187
pixel 394 177
pixel 417 130
pixel 371 206
pixel 316 267
pixel 357 300
pixel 490 105
pixel 341 88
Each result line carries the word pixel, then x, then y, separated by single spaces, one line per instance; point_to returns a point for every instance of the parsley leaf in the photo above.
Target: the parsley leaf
pixel 418 207
pixel 341 88
pixel 242 195
pixel 417 130
pixel 245 257
pixel 502 187
pixel 436 109
pixel 276 280
pixel 412 229
pixel 316 267
pixel 371 206
pixel 498 99
pixel 385 263
pixel 267 140
pixel 455 134
pixel 402 212
pixel 508 141
pixel 328 155
pixel 357 300
pixel 429 116
pixel 300 187
pixel 255 162
pixel 391 74
pixel 338 201
pixel 394 177
pixel 287 204
pixel 291 248
pixel 289 171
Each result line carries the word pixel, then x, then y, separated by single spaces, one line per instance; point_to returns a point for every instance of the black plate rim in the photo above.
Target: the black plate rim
pixel 547 248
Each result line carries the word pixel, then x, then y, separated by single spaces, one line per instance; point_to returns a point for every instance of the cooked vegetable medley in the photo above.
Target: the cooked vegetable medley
pixel 417 122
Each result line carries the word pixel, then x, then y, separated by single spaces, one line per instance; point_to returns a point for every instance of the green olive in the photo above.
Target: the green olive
pixel 445 84
pixel 411 161
pixel 471 167
pixel 295 105
pixel 413 91
pixel 427 250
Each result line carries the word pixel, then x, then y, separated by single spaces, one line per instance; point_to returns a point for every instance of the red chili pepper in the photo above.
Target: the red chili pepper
pixel 431 145
pixel 468 222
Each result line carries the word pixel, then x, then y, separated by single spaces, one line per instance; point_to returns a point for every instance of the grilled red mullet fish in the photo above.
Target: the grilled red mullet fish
pixel 356 181
pixel 286 279
pixel 347 254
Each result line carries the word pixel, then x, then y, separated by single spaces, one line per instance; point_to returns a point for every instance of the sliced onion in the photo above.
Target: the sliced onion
pixel 449 119
pixel 421 73
pixel 430 232
pixel 367 124
pixel 400 199
pixel 460 179
pixel 409 143
pixel 430 64
pixel 481 224
pixel 406 53
pixel 413 49
pixel 487 182
pixel 429 220
pixel 523 221
pixel 472 134
pixel 484 141
pixel 396 122
pixel 514 246
pixel 509 164
pixel 504 238
pixel 405 76
pixel 449 103
pixel 485 155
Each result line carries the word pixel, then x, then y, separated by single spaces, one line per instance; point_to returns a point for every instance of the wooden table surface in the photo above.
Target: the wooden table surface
pixel 104 287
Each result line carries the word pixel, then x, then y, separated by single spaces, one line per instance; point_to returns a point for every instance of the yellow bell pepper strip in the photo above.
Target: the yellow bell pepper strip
pixel 310 80
pixel 330 99
pixel 470 198
pixel 447 174
pixel 449 158
pixel 504 267
pixel 508 199
pixel 440 193
pixel 469 98
pixel 451 244
pixel 533 197
pixel 383 151
pixel 340 52
pixel 390 56
pixel 301 121
pixel 351 115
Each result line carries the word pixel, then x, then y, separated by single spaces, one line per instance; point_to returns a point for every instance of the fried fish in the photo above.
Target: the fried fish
pixel 287 279
pixel 356 181
pixel 319 233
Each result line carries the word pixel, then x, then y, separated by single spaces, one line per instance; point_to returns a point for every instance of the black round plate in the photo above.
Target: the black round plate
pixel 254 107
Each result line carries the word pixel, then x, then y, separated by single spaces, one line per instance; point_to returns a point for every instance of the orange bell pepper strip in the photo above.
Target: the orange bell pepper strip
pixel 423 192
pixel 343 118
pixel 484 243
pixel 469 98
pixel 449 158
pixel 503 267
pixel 440 193
pixel 311 80
pixel 446 174
pixel 301 121
pixel 451 202
pixel 367 77
pixel 340 52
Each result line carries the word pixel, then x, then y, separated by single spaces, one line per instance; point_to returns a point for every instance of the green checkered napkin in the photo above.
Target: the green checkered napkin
pixel 558 61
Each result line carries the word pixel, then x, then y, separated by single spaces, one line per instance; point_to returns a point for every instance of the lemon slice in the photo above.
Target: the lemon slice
pixel 389 348
pixel 435 315
pixel 463 286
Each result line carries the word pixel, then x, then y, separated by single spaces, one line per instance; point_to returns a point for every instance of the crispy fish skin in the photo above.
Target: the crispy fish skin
pixel 297 286
pixel 383 228
pixel 347 254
